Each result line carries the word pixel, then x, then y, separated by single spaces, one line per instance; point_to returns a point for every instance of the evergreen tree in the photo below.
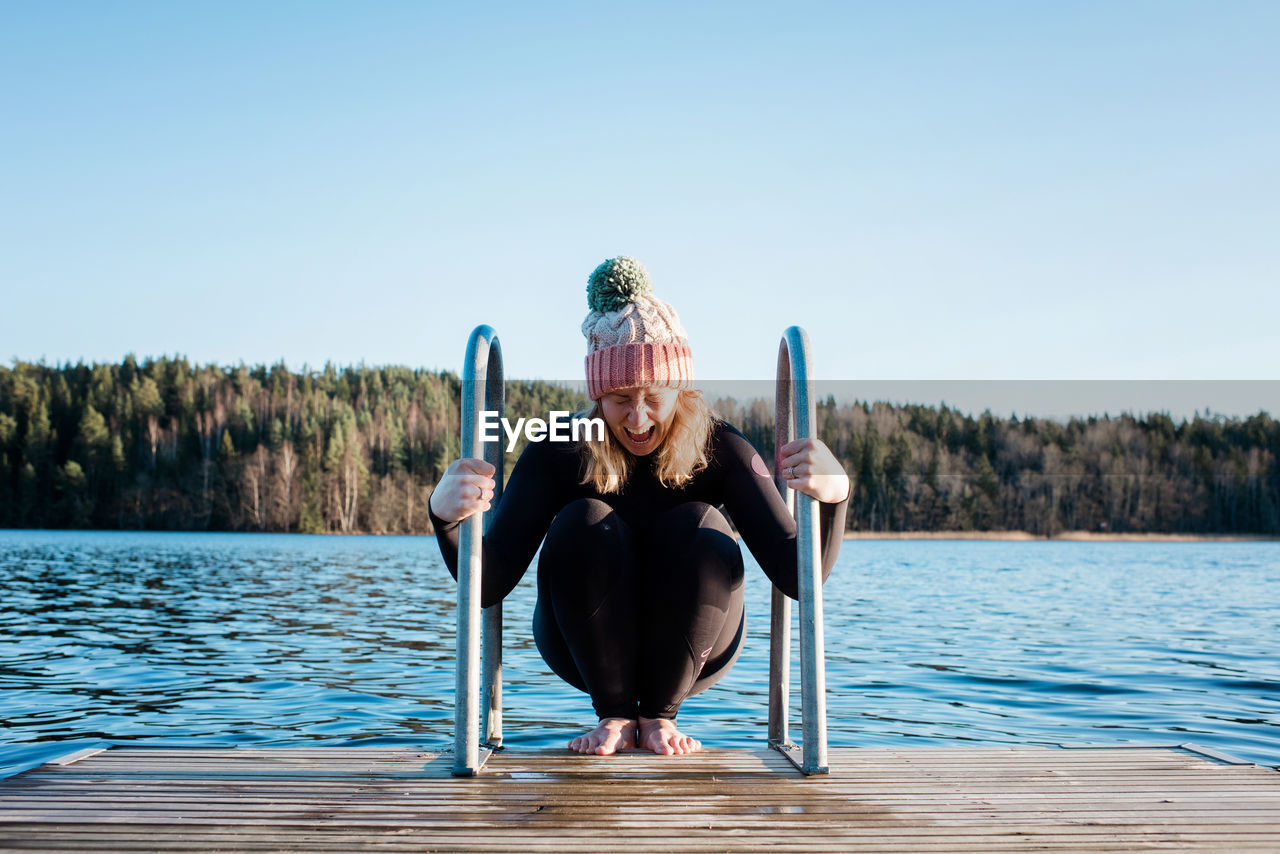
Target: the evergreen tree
pixel 163 443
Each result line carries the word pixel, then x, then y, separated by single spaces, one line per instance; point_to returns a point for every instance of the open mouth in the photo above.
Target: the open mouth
pixel 640 438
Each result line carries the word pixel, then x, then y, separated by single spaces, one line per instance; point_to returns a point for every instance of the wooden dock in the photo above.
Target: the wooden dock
pixel 935 799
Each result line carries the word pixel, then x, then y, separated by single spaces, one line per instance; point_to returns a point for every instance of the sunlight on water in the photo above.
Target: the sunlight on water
pixel 221 639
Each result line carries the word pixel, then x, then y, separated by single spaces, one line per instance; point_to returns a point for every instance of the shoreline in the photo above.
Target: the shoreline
pixel 1065 536
pixel 993 536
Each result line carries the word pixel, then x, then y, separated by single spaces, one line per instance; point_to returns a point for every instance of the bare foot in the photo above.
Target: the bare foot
pixel 612 735
pixel 661 736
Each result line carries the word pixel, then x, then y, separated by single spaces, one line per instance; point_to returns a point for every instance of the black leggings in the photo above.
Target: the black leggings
pixel 639 620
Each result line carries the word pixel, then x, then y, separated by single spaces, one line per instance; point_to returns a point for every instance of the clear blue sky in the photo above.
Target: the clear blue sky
pixel 941 190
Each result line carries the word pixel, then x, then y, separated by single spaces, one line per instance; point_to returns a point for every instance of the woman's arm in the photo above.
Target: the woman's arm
pixel 760 514
pixel 529 502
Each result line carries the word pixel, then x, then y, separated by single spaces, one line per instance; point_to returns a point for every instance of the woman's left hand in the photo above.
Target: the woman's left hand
pixel 811 468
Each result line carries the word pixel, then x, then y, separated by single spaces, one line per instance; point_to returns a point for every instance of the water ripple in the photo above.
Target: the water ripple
pixel 212 639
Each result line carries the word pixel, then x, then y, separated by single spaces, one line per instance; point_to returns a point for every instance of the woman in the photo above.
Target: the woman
pixel 639 579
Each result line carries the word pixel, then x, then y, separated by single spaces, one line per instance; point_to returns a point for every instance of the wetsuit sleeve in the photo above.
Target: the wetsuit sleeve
pixel 530 499
pixel 761 516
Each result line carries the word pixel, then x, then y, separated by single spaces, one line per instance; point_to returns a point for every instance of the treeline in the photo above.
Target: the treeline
pixel 164 444
pixel 925 468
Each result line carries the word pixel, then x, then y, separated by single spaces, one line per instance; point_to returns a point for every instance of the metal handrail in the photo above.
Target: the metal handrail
pixel 794 417
pixel 479 639
pixel 479 635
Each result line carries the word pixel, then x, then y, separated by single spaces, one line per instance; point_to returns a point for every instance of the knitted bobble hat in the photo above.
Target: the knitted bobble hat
pixel 633 338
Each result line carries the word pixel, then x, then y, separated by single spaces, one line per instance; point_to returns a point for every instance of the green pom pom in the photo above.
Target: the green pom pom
pixel 617 282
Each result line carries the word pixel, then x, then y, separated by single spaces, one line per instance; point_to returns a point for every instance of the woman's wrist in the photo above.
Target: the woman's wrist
pixel 431 511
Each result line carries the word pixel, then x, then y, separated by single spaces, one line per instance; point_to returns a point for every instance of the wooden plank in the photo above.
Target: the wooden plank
pixel 761 833
pixel 310 843
pixel 661 795
pixel 930 799
pixel 850 825
pixel 711 840
pixel 72 758
pixel 833 799
pixel 705 762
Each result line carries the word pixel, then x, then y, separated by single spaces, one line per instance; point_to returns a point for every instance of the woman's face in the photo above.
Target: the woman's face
pixel 640 418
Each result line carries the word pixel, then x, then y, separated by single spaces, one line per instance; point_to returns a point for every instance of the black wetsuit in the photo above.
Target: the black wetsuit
pixel 640 592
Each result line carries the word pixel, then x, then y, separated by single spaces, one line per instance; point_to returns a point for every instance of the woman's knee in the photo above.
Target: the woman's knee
pixel 582 513
pixel 698 525
pixel 585 547
pixel 585 524
pixel 695 539
pixel 693 516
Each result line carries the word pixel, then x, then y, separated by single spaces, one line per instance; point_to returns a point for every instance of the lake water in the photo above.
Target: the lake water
pixel 235 639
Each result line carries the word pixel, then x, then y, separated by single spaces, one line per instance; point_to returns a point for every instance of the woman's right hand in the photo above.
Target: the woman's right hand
pixel 466 488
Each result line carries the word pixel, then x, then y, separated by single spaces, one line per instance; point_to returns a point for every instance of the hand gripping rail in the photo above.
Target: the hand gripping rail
pixel 795 419
pixel 479 653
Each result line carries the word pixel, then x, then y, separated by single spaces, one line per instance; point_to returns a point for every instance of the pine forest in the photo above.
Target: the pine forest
pixel 165 444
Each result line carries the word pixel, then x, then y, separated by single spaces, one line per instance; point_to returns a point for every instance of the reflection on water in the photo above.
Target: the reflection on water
pixel 218 639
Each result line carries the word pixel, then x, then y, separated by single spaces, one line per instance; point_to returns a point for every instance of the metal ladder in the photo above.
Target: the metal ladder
pixel 794 418
pixel 479 674
pixel 478 691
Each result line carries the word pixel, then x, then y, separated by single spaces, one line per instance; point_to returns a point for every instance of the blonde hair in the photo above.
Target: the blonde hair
pixel 684 452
